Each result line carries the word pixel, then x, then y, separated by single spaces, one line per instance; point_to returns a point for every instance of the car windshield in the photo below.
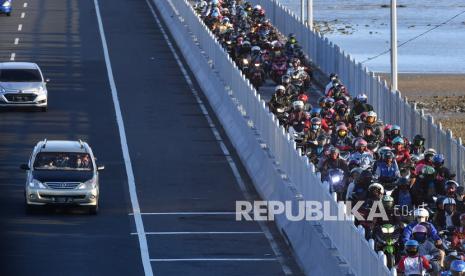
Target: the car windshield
pixel 65 161
pixel 20 75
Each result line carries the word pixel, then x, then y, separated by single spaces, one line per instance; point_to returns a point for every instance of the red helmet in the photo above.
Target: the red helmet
pixel 303 98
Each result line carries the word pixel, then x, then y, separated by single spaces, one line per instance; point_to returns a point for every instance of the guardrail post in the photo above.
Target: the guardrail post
pixel 459 160
pixel 430 130
pixel 449 147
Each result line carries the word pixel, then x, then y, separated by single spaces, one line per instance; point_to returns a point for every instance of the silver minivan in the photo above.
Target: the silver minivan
pixel 62 173
pixel 22 84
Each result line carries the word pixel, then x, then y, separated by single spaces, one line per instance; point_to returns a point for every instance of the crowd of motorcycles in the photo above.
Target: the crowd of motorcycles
pixel 362 158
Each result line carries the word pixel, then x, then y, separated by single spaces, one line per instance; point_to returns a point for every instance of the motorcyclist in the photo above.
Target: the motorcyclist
pixel 291 90
pixel 371 119
pixel 418 145
pixel 425 186
pixel 458 237
pixel 413 263
pixel 402 196
pixel 360 105
pixel 279 99
pixel 341 138
pixel 451 218
pixel 342 113
pixel 457 268
pixel 360 190
pixel 421 215
pixel 314 131
pixel 333 78
pixel 427 160
pixel 297 117
pixel 442 173
pixel 387 170
pixel 401 153
pixel 291 44
pixel 333 162
pixel 338 92
pixel 427 248
pixel 394 133
pixel 315 112
pixel 360 146
pixel 318 150
pixel 327 122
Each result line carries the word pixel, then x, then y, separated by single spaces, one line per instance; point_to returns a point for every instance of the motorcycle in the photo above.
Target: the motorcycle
pixel 388 241
pixel 278 69
pixel 336 182
pixel 282 115
pixel 297 133
pixel 256 75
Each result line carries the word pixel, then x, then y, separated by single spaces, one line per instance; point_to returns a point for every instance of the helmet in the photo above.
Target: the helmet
pixel 316 121
pixel 356 170
pixel 383 150
pixel 419 233
pixel 334 150
pixel 296 62
pixel 388 202
pixel 329 113
pixel 315 111
pixel 215 2
pixel 371 117
pixel 225 20
pixel 451 183
pixel 419 229
pixel 427 170
pixel 375 186
pixel 256 49
pixel 286 79
pixel 389 155
pixel 430 151
pixel 257 7
pixel 448 201
pixel 361 143
pixel 395 130
pixel 279 87
pixel 398 140
pixel 333 76
pixel 421 212
pixel 418 140
pixel 341 131
pixel 438 160
pixel 329 102
pixel 362 98
pixel 298 105
pixel 457 266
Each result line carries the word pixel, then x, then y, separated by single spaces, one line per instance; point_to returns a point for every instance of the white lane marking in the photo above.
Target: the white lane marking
pixel 232 164
pixel 25 5
pixel 202 233
pixel 144 252
pixel 20 27
pixel 23 14
pixel 16 41
pixel 187 213
pixel 13 55
pixel 216 260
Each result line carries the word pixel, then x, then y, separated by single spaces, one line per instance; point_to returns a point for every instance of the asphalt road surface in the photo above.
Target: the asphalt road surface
pixel 186 185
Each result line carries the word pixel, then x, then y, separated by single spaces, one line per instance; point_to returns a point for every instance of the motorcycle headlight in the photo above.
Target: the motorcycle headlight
pixel 335 178
pixel 88 185
pixel 36 184
pixel 7 4
pixel 245 61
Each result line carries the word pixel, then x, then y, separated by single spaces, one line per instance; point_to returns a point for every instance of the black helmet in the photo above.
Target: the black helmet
pixel 333 76
pixel 418 140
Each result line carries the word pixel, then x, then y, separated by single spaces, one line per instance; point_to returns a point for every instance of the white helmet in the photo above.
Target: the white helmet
pixel 279 87
pixel 448 201
pixel 376 186
pixel 256 48
pixel 421 212
pixel 257 7
pixel 298 104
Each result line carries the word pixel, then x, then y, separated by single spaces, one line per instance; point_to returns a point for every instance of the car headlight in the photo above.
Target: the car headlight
pixel 7 4
pixel 2 90
pixel 36 184
pixel 88 185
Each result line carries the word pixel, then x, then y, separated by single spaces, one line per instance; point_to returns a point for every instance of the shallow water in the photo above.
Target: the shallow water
pixel 439 51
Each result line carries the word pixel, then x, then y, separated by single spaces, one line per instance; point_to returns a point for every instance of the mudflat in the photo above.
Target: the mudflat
pixel 441 95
